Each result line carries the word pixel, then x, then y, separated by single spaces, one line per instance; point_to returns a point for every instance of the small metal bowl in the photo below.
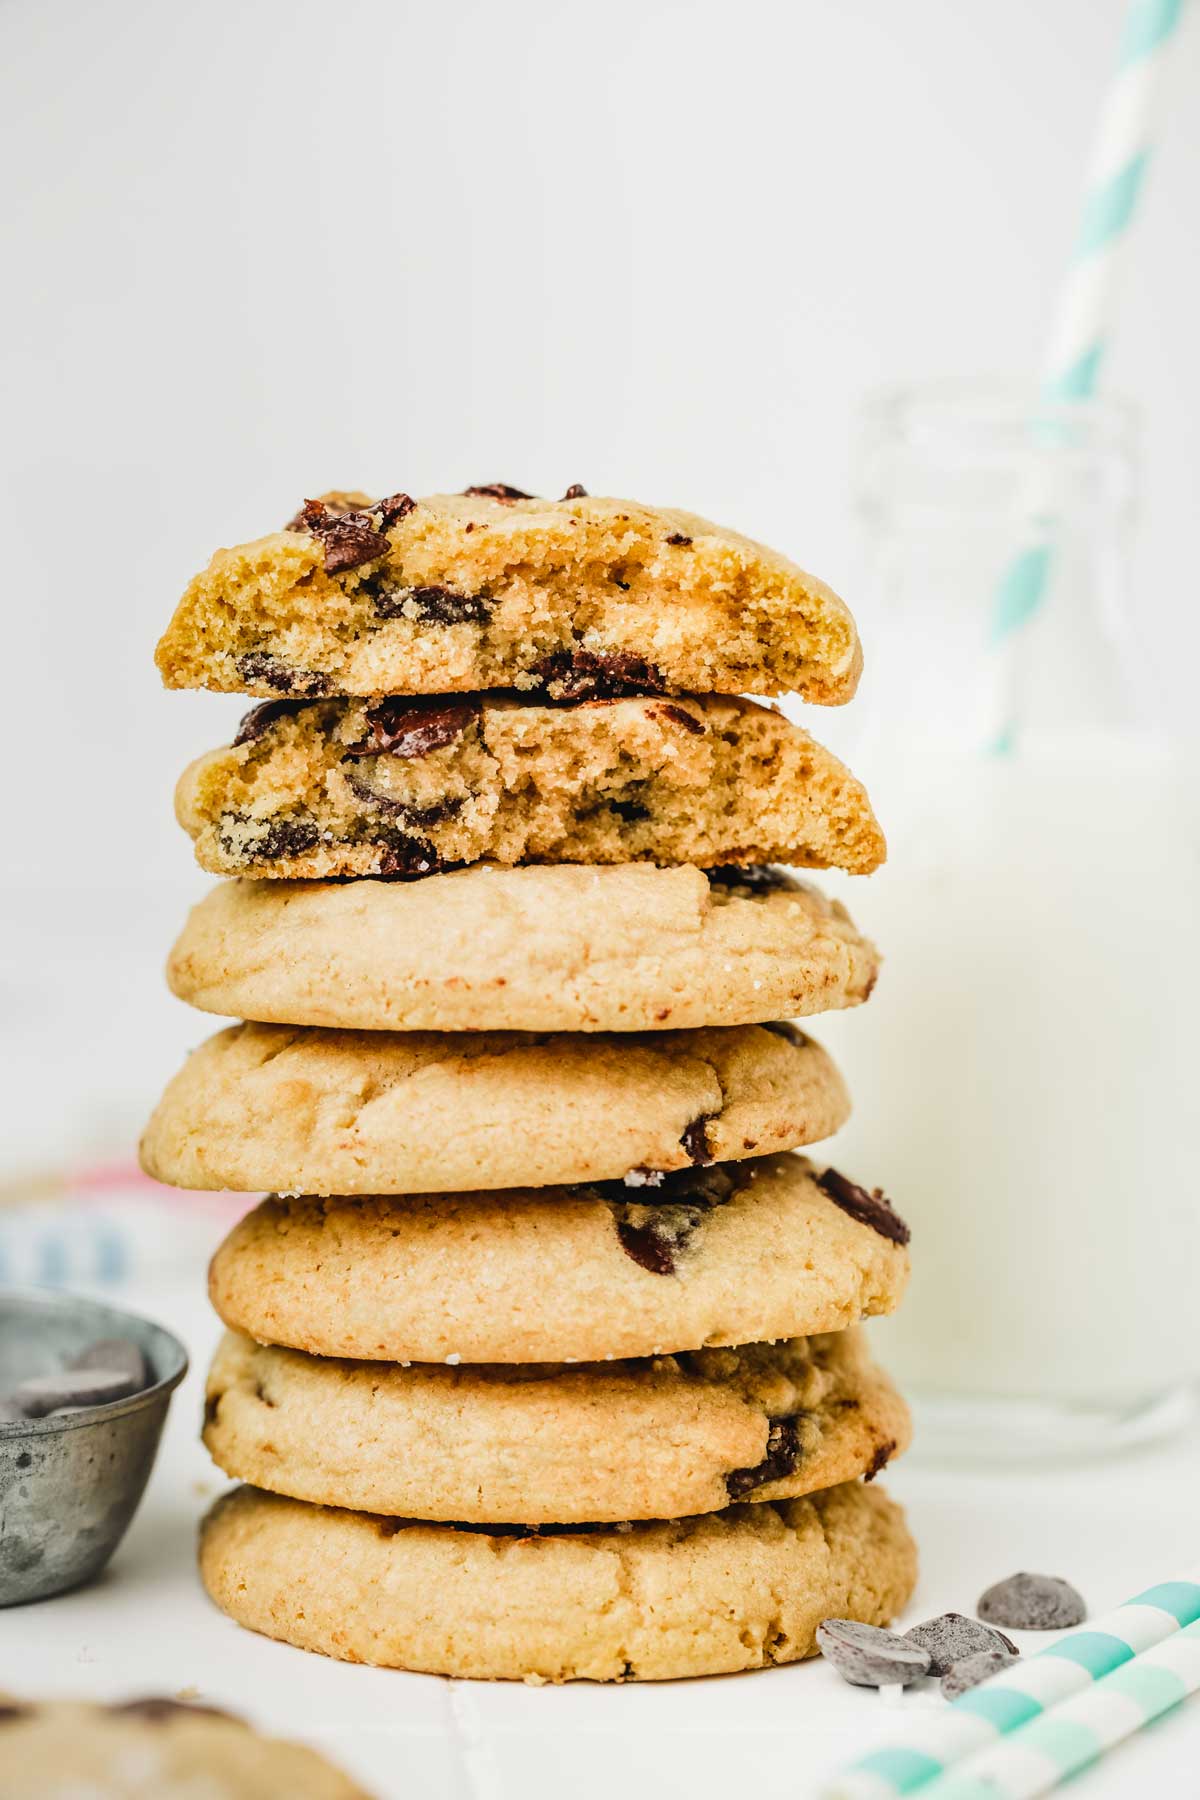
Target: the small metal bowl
pixel 70 1486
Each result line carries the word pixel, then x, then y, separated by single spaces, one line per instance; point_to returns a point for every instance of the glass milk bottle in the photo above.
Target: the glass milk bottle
pixel 1025 1076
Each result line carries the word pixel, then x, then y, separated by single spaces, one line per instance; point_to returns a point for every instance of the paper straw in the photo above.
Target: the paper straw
pixel 1079 336
pixel 1028 1689
pixel 1037 1757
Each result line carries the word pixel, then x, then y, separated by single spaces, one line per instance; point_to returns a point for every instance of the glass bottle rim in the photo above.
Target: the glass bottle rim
pixel 993 420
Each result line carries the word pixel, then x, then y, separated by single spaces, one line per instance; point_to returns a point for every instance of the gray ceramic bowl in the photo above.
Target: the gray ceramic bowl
pixel 70 1486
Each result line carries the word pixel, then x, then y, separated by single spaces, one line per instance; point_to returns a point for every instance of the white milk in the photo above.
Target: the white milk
pixel 1025 1076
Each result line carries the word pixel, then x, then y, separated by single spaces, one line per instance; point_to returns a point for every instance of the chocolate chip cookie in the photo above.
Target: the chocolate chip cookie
pixel 374 1112
pixel 407 787
pixel 536 1443
pixel 493 588
pixel 739 1589
pixel 550 948
pixel 734 1254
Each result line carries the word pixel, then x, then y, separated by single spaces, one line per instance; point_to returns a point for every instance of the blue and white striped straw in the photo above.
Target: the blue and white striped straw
pixel 1033 1690
pixel 1079 337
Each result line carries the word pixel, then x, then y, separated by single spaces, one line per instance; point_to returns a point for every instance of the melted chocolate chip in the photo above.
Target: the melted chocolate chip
pixel 261 718
pixel 682 717
pixel 260 666
pixel 499 490
pixel 760 877
pixel 784 1451
pixel 597 675
pixel 282 838
pixel 654 1233
pixel 432 605
pixel 784 1029
pixel 411 728
pixel 403 854
pixel 678 538
pixel 160 1711
pixel 873 1209
pixel 347 538
pixel 575 492
pixel 695 1140
pixel 880 1458
pixel 403 810
pixel 389 512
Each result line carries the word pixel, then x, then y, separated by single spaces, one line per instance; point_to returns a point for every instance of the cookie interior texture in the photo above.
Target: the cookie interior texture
pixel 738 1589
pixel 468 591
pixel 342 1112
pixel 554 1444
pixel 407 787
pixel 735 1254
pixel 555 947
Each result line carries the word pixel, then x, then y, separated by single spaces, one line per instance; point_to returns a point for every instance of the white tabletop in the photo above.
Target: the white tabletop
pixel 146 1626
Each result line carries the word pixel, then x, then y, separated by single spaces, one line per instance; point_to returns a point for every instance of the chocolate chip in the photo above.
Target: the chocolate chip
pixel 681 717
pixel 12 1710
pixel 389 512
pixel 402 853
pixel 782 1459
pixel 575 492
pixel 411 728
pixel 873 1209
pixel 404 810
pixel 431 605
pixel 42 1394
pixel 160 1711
pixel 880 1458
pixel 261 718
pixel 116 1353
pixel 785 1029
pixel 655 1240
pixel 277 838
pixel 597 675
pixel 759 877
pixel 677 537
pixel 695 1139
pixel 261 667
pixel 654 1233
pixel 499 490
pixel 867 1656
pixel 973 1669
pixel 347 538
pixel 952 1637
pixel 1027 1602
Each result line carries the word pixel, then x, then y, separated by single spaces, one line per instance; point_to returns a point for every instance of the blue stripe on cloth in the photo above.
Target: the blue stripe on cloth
pixel 1179 1598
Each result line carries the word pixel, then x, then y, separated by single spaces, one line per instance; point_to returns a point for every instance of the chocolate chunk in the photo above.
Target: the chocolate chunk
pixel 695 1139
pixel 654 1233
pixel 389 512
pixel 681 717
pixel 655 1240
pixel 1027 1602
pixel 260 666
pixel 116 1353
pixel 43 1394
pixel 411 728
pixel 880 1458
pixel 782 1458
pixel 12 1710
pixel 347 538
pixel 867 1656
pixel 499 490
pixel 261 718
pixel 432 605
pixel 785 1029
pixel 280 838
pixel 873 1209
pixel 597 675
pixel 402 853
pixel 159 1711
pixel 404 810
pixel 678 538
pixel 575 492
pixel 973 1669
pixel 951 1637
pixel 759 877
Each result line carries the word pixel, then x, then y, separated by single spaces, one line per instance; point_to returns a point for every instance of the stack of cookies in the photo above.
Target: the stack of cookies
pixel 543 1357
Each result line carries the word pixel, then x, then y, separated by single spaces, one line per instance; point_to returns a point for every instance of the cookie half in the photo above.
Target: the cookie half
pixel 545 1444
pixel 494 588
pixel 735 1254
pixel 738 1589
pixel 61 1750
pixel 555 948
pixel 372 1112
pixel 409 786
